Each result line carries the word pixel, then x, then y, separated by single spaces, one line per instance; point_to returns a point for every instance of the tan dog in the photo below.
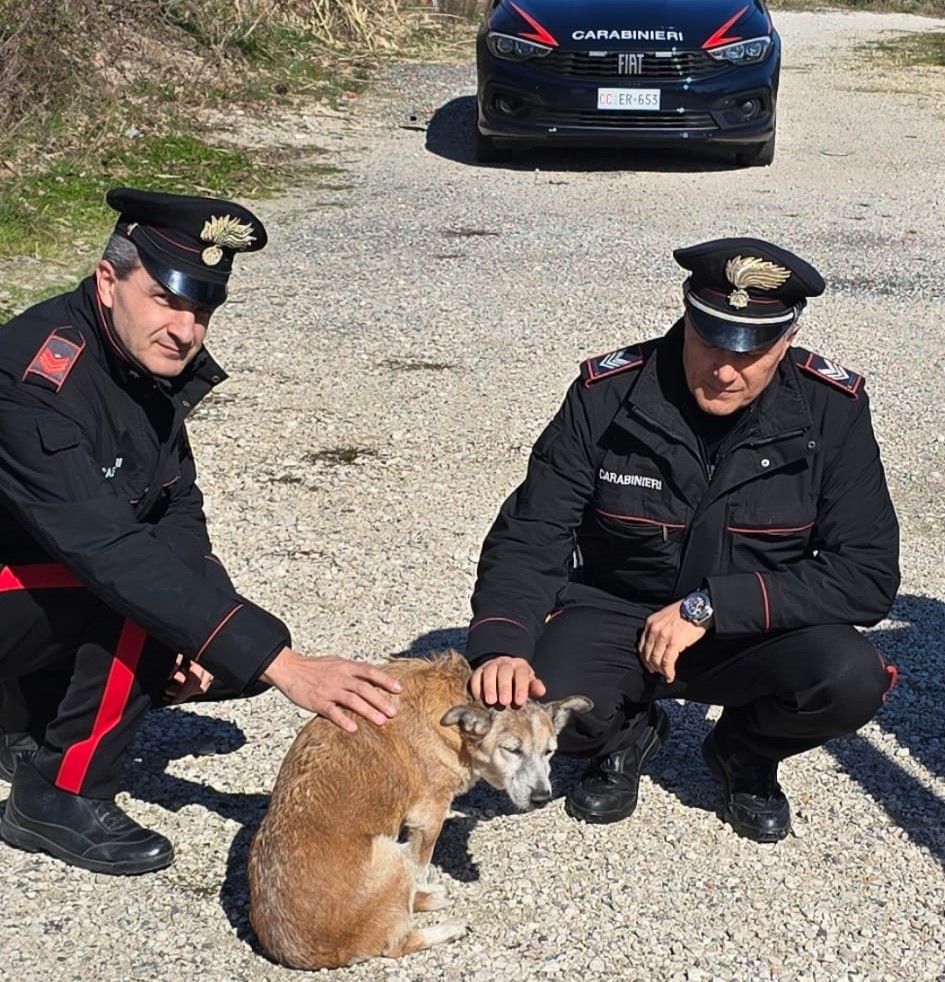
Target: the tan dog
pixel 340 860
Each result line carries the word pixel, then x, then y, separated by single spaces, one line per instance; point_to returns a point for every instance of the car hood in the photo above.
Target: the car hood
pixel 578 24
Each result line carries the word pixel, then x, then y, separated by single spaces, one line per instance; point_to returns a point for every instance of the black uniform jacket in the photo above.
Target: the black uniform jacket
pixel 793 527
pixel 96 474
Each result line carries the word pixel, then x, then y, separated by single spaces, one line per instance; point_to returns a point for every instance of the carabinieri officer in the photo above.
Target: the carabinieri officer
pixel 109 589
pixel 705 518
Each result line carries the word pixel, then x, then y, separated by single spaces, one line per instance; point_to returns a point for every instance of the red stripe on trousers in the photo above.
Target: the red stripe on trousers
pixel 76 760
pixel 36 577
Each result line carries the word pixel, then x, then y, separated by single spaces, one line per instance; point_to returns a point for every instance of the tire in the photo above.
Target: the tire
pixel 760 156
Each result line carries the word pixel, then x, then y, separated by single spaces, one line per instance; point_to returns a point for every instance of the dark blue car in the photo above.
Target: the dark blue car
pixel 629 73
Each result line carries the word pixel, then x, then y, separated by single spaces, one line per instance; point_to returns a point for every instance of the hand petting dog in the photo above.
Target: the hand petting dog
pixel 506 681
pixel 329 685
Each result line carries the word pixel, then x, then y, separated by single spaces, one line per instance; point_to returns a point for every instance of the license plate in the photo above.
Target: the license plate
pixel 628 99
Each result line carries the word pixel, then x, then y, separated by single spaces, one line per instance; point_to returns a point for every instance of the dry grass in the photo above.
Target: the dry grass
pixel 72 72
pixel 95 93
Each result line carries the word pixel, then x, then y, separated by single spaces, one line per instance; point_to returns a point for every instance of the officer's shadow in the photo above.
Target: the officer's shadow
pixel 908 754
pixel 172 733
pixel 889 761
pixel 893 761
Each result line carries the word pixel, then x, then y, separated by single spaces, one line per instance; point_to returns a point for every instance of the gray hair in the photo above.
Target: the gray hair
pixel 122 253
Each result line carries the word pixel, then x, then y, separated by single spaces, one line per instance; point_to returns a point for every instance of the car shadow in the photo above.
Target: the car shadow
pixel 451 135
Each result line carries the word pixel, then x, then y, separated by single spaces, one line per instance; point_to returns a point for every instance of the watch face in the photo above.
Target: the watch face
pixel 697 607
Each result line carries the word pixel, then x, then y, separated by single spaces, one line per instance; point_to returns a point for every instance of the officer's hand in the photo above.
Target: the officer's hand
pixel 666 635
pixel 188 679
pixel 505 681
pixel 329 685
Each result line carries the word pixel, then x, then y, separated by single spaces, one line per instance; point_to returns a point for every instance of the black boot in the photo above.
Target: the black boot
pixel 755 805
pixel 608 791
pixel 14 747
pixel 87 832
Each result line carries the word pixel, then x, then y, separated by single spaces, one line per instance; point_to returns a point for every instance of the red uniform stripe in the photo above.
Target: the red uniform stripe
pixel 892 673
pixel 216 631
pixel 76 760
pixel 37 576
pixel 764 597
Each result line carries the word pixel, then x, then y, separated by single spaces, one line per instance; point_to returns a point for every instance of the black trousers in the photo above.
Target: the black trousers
pixel 75 675
pixel 783 693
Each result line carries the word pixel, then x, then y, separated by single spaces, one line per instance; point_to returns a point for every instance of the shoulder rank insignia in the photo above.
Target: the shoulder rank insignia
pixel 54 360
pixel 830 371
pixel 613 362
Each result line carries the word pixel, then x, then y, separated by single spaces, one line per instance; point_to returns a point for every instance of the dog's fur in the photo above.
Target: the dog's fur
pixel 340 860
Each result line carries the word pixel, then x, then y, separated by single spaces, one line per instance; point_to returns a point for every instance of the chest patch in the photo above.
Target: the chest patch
pixel 612 363
pixel 836 375
pixel 631 480
pixel 54 360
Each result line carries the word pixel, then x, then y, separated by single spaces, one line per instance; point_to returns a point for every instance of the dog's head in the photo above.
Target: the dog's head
pixel 512 748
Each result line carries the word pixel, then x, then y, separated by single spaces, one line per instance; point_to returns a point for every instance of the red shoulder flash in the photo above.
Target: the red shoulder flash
pixel 832 373
pixel 614 362
pixel 54 360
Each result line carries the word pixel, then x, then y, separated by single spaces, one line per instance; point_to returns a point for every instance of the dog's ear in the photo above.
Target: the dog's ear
pixel 471 719
pixel 560 711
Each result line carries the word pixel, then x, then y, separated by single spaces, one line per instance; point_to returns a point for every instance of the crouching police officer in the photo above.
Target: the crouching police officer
pixel 111 599
pixel 705 518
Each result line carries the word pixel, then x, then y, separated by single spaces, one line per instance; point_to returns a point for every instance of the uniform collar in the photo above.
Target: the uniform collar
pixel 660 393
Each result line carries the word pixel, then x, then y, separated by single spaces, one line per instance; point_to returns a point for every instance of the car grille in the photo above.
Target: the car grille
pixel 579 64
pixel 630 120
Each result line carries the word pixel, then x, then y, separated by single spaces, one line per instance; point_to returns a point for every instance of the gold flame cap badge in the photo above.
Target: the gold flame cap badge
pixel 743 272
pixel 225 232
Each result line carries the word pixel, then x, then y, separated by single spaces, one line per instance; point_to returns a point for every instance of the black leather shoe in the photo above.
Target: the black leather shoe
pixel 87 832
pixel 755 805
pixel 609 790
pixel 14 747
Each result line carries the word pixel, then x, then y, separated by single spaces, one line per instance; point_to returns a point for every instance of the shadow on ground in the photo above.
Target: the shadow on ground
pixel 913 715
pixel 451 134
pixel 171 733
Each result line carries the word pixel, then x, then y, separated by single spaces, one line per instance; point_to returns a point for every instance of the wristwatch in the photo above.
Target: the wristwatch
pixel 696 608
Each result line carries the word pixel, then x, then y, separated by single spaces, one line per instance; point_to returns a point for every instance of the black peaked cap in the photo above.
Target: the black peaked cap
pixel 187 243
pixel 743 294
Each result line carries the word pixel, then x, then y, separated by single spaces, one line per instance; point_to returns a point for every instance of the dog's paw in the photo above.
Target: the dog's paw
pixel 431 897
pixel 441 933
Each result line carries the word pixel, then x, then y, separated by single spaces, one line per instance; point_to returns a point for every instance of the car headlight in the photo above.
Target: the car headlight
pixel 743 52
pixel 513 48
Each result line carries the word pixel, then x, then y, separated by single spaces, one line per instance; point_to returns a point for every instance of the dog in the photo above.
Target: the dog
pixel 340 860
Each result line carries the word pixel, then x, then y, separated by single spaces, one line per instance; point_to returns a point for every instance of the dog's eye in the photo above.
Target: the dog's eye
pixel 515 751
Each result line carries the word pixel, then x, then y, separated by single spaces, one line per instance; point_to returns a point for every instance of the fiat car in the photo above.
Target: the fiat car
pixel 628 73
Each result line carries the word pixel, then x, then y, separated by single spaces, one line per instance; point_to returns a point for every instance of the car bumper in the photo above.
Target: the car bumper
pixel 520 103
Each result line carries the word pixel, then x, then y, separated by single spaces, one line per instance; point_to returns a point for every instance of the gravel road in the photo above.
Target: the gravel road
pixel 393 354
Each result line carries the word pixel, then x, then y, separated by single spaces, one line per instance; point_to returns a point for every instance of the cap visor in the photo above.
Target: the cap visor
pixel 732 336
pixel 199 292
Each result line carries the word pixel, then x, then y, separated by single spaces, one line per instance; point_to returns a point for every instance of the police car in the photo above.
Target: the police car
pixel 630 73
